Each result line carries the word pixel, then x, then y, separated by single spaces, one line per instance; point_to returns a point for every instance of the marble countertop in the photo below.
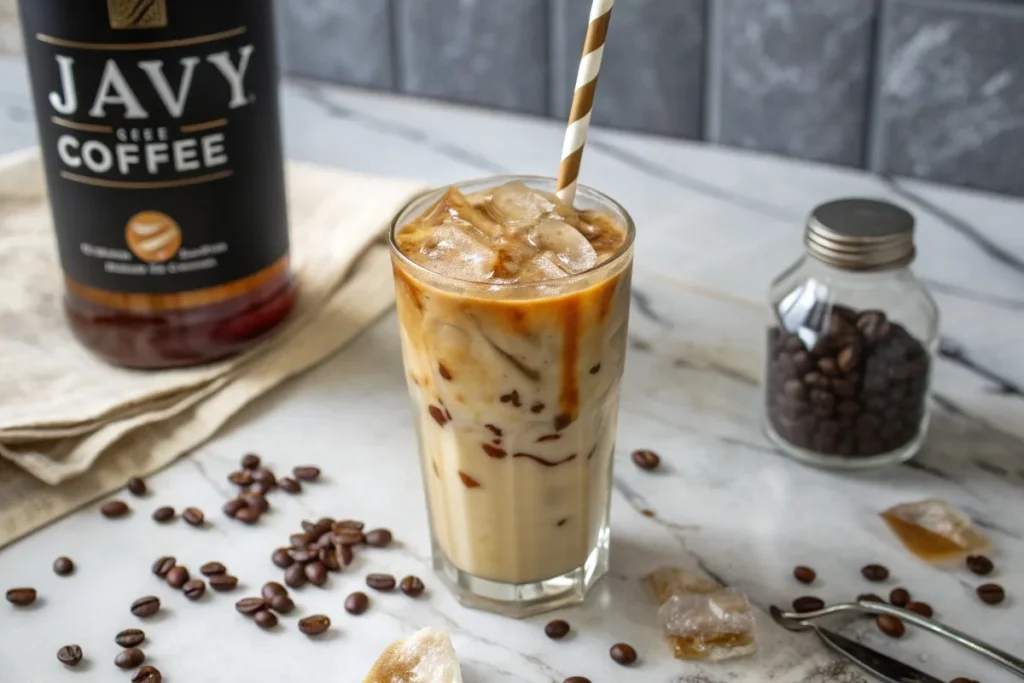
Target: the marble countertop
pixel 714 226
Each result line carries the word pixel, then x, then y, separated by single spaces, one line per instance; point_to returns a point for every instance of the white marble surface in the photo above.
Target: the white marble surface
pixel 714 227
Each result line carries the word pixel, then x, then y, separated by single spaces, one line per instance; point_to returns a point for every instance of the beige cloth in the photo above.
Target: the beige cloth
pixel 73 428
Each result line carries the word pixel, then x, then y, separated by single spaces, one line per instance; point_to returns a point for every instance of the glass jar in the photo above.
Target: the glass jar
pixel 851 341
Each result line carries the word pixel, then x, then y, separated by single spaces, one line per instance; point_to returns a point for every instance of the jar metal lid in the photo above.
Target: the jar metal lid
pixel 860 234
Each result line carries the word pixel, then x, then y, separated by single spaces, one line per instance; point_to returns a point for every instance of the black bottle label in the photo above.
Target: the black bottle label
pixel 161 138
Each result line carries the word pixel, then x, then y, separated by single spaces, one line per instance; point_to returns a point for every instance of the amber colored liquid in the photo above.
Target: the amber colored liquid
pixel 700 647
pixel 925 544
pixel 177 338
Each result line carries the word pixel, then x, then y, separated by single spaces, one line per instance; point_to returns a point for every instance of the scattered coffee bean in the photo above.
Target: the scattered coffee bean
pixel 300 541
pixel 870 597
pixel 163 514
pixel 261 487
pixel 890 625
pixel 257 501
pixel 248 515
pixel 113 509
pixel 282 604
pixel 962 679
pixel 991 593
pixel 330 559
pixel 345 554
pixel 899 597
pixel 922 608
pixel 265 619
pixel 250 606
pixel 576 679
pixel 380 582
pixel 212 569
pixel 194 589
pixel 130 637
pixel 646 460
pixel 136 486
pixel 130 658
pixel 63 566
pixel 148 674
pixel 223 583
pixel 804 574
pixel 378 538
pixel 357 603
pixel 281 558
pixel 272 588
pixel 295 576
pixel 233 507
pixel 623 654
pixel 347 524
pixel 250 461
pixel 306 473
pixel 177 577
pixel 146 607
pixel 980 565
pixel 874 572
pixel 557 629
pixel 314 625
pixel 265 478
pixel 349 537
pixel 22 597
pixel 289 485
pixel 193 516
pixel 163 565
pixel 412 586
pixel 241 478
pixel 70 655
pixel 316 573
pixel 808 603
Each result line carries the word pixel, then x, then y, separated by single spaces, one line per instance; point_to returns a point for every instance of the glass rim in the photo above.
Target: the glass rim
pixel 420 270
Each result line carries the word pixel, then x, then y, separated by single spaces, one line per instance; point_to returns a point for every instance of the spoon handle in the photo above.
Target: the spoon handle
pixel 875 663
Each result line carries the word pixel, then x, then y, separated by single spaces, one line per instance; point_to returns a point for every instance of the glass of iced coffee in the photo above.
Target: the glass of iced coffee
pixel 513 308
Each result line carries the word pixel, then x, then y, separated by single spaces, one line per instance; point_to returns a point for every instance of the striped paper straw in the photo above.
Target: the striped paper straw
pixel 583 99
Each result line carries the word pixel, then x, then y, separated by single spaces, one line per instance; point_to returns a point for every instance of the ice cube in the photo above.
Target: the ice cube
pixel 565 242
pixel 454 204
pixel 516 206
pixel 934 530
pixel 670 581
pixel 711 626
pixel 426 656
pixel 543 266
pixel 456 250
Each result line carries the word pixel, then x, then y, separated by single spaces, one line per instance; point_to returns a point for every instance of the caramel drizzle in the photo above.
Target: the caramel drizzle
pixel 570 398
pixel 542 461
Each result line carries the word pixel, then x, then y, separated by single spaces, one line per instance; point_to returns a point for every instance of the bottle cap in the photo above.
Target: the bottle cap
pixel 861 234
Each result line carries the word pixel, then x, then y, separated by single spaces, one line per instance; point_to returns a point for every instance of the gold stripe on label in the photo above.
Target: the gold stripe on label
pixel 88 127
pixel 169 302
pixel 583 102
pixel 208 125
pixel 146 185
pixel 156 45
pixel 597 33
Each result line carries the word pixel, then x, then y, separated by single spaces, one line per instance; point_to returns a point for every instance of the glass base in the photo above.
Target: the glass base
pixel 847 462
pixel 519 600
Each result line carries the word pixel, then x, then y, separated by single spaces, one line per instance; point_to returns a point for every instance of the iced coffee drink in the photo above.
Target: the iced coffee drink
pixel 513 309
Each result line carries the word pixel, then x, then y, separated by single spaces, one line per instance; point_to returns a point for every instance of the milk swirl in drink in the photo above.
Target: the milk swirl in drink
pixel 513 310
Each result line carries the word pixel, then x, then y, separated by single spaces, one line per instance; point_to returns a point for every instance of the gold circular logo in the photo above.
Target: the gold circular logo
pixel 153 236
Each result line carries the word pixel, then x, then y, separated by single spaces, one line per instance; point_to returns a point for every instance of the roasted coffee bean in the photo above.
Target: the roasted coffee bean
pixel 979 564
pixel 212 569
pixel 281 604
pixel 281 558
pixel 381 582
pixel 63 566
pixel 899 597
pixel 804 574
pixel 250 461
pixel 265 477
pixel 557 629
pixel 870 597
pixel 300 541
pixel 223 582
pixel 412 586
pixel 194 589
pixel 922 608
pixel 808 603
pixel 265 619
pixel 890 625
pixel 241 478
pixel 193 516
pixel 130 658
pixel 257 501
pixel 22 597
pixel 148 674
pixel 136 486
pixel 248 515
pixel 289 485
pixel 623 654
pixel 163 514
pixel 295 576
pixel 272 588
pixel 576 679
pixel 146 607
pixel 329 558
pixel 233 507
pixel 316 573
pixel 314 625
pixel 113 509
pixel 70 655
pixel 991 593
pixel 302 556
pixel 130 637
pixel 962 679
pixel 349 537
pixel 378 538
pixel 348 524
pixel 177 577
pixel 345 554
pixel 163 566
pixel 874 572
pixel 646 460
pixel 357 603
pixel 250 606
pixel 306 473
pixel 261 487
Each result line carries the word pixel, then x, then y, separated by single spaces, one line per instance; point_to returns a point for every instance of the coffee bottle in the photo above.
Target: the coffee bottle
pixel 160 135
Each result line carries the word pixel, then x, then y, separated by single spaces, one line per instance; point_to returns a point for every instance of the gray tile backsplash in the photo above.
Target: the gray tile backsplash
pixel 926 88
pixel 653 69
pixel 951 94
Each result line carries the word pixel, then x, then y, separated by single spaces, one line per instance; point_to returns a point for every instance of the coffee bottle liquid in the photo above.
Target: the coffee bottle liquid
pixel 160 133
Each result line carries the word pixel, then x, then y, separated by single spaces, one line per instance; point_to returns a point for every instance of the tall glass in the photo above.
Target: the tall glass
pixel 515 389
